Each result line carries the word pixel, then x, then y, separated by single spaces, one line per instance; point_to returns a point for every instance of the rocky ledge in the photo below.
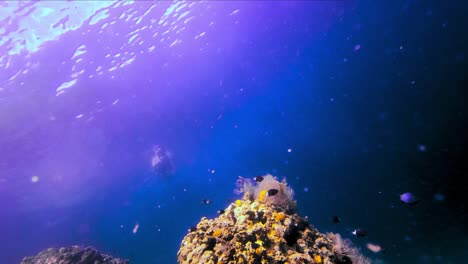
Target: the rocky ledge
pixel 72 255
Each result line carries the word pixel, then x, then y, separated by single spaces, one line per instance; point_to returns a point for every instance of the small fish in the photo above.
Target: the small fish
pixel 360 232
pixel 258 178
pixel 374 247
pixel 272 192
pixel 206 201
pixel 409 198
pixel 192 229
pixel 221 211
pixel 336 219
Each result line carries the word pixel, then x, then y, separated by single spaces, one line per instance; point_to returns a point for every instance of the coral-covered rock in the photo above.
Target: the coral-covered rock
pixel 255 230
pixel 72 255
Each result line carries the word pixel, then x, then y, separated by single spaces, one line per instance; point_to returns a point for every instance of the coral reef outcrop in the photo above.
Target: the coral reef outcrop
pixel 259 229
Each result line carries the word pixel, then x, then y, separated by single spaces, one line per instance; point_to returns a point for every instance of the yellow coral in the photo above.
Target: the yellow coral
pixel 272 234
pixel 318 259
pixel 261 195
pixel 217 232
pixel 238 202
pixel 280 216
pixel 259 242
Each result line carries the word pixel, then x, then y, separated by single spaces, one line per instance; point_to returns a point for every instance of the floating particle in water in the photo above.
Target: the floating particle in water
pixel 79 116
pixel 234 12
pixel 439 197
pixel 422 148
pixel 135 228
pixel 357 47
pixel 289 150
pixel 306 189
pixel 34 179
pixel 212 171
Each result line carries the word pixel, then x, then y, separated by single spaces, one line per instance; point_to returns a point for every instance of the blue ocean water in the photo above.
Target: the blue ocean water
pixel 117 119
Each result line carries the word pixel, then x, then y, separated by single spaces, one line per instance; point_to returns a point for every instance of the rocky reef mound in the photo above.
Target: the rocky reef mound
pixel 72 255
pixel 264 228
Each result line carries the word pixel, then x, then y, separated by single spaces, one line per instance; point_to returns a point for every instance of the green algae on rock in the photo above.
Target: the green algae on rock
pixel 259 230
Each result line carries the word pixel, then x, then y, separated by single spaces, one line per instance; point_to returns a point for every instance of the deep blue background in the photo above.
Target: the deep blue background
pixel 353 116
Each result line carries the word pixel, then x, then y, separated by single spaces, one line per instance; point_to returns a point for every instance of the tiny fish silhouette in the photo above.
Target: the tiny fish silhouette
pixel 409 198
pixel 336 219
pixel 272 192
pixel 360 232
pixel 258 178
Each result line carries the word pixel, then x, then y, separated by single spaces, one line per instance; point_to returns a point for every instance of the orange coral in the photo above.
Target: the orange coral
pixel 280 216
pixel 259 250
pixel 217 232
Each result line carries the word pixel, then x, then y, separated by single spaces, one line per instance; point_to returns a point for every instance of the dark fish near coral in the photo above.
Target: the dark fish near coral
pixel 272 192
pixel 360 232
pixel 409 198
pixel 336 219
pixel 258 178
pixel 206 201
pixel 192 229
pixel 260 214
pixel 221 211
